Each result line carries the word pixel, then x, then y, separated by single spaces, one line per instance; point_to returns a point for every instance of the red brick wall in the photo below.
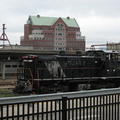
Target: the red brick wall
pixel 69 43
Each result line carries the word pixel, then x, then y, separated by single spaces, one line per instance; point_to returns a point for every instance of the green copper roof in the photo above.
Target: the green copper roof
pixel 71 22
pixel 35 20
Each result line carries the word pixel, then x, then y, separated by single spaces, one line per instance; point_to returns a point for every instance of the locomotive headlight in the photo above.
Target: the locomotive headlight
pixel 108 70
pixel 113 70
pixel 95 61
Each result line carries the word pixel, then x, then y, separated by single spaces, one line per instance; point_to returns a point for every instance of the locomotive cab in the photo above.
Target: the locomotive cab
pixel 103 54
pixel 111 55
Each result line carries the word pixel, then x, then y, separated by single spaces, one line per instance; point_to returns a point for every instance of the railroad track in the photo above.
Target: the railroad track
pixel 7 84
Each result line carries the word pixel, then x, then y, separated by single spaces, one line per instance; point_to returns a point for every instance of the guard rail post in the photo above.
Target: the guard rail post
pixel 64 108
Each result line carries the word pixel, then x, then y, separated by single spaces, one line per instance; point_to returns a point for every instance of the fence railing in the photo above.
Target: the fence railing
pixel 101 104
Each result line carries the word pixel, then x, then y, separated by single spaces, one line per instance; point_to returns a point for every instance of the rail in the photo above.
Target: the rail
pixel 83 105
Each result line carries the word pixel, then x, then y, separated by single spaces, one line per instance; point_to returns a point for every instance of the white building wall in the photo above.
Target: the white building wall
pixel 19 47
pixel 36 34
pixel 79 37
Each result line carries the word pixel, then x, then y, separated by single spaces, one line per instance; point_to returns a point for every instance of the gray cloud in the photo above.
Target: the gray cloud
pixel 99 20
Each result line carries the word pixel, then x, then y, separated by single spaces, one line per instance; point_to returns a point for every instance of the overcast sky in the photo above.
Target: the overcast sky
pixel 99 20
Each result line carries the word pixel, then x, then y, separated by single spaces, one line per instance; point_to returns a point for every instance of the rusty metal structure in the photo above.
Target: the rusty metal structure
pixel 4 38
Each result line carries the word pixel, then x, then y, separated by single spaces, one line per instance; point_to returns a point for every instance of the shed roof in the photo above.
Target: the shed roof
pixel 49 21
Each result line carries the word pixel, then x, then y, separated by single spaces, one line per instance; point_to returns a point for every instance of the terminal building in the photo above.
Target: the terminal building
pixel 53 33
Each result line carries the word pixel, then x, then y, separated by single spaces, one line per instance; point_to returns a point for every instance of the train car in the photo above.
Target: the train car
pixel 58 73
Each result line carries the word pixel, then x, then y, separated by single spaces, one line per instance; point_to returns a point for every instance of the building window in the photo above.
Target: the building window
pixel 59 43
pixel 8 66
pixel 59 33
pixel 20 65
pixel 59 38
pixel 59 48
pixel 14 66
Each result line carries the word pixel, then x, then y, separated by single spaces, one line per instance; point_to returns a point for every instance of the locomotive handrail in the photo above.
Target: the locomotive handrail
pixel 38 75
pixel 102 65
pixel 64 78
pixel 78 67
pixel 30 74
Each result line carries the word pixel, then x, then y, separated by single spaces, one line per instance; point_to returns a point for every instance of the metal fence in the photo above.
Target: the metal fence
pixel 85 105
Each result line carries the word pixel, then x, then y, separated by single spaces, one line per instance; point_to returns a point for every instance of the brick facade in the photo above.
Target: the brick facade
pixel 58 36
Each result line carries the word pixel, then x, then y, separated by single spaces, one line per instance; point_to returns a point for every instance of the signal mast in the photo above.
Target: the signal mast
pixel 4 38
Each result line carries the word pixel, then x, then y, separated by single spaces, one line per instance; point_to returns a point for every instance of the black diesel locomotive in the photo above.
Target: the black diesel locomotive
pixel 55 73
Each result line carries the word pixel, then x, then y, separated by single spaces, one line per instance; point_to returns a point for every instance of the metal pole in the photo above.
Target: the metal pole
pixel 64 108
pixel 3 70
